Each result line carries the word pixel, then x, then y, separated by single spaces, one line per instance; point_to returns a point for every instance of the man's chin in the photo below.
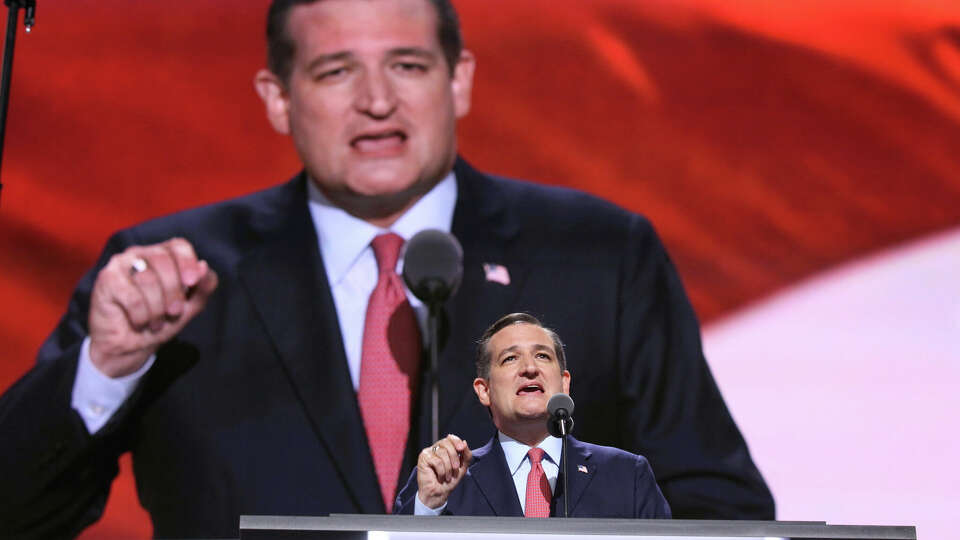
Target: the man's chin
pixel 383 186
pixel 387 182
pixel 533 416
pixel 371 198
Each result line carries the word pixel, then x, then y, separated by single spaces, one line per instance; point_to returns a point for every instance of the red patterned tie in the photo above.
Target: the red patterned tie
pixel 388 366
pixel 538 488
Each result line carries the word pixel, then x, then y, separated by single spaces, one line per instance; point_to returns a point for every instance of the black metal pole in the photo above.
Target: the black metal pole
pixel 8 45
pixel 434 373
pixel 563 462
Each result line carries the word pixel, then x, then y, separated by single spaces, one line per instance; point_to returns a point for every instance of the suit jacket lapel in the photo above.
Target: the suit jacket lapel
pixel 577 480
pixel 493 479
pixel 288 286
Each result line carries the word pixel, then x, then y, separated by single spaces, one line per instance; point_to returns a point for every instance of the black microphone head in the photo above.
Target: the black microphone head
pixel 560 402
pixel 560 407
pixel 433 266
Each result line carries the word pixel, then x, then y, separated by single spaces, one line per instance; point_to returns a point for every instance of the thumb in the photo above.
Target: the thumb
pixel 206 284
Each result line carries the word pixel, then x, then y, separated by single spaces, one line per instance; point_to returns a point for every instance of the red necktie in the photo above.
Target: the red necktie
pixel 538 488
pixel 388 366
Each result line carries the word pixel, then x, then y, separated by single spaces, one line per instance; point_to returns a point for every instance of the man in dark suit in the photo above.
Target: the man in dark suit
pixel 520 365
pixel 225 346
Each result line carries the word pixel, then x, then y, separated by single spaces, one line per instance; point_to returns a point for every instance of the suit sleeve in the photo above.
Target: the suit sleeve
pixel 56 476
pixel 670 409
pixel 648 499
pixel 405 499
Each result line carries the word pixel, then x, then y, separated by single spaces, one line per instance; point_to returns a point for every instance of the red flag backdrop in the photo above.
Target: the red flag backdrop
pixel 768 141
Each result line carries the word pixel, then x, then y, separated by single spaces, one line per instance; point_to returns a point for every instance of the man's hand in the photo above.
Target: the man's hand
pixel 440 468
pixel 141 299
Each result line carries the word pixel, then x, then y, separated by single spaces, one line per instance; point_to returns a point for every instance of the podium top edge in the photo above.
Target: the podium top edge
pixel 577 526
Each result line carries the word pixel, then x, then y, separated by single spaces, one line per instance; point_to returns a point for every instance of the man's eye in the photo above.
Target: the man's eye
pixel 410 67
pixel 543 355
pixel 508 359
pixel 331 74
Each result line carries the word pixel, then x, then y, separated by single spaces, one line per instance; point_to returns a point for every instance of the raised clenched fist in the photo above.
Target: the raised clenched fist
pixel 141 299
pixel 440 467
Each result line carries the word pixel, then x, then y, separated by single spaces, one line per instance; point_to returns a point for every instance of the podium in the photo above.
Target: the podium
pixel 381 527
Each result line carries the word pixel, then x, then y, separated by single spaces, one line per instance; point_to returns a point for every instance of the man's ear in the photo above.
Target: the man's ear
pixel 565 381
pixel 274 94
pixel 462 83
pixel 482 390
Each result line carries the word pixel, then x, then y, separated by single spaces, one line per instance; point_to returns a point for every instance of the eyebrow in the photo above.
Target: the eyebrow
pixel 412 51
pixel 392 53
pixel 537 347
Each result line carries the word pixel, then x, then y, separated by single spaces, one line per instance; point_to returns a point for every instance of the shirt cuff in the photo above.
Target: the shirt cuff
pixel 97 396
pixel 420 509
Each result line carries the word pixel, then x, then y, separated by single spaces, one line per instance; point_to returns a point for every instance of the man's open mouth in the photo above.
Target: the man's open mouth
pixel 530 389
pixel 373 142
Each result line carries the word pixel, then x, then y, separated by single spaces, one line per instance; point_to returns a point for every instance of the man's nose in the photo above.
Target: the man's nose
pixel 529 367
pixel 376 95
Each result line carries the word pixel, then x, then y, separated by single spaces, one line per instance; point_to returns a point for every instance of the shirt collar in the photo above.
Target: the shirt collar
pixel 343 237
pixel 515 451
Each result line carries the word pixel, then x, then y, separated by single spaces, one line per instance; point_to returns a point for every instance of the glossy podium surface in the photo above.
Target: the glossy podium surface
pixel 513 528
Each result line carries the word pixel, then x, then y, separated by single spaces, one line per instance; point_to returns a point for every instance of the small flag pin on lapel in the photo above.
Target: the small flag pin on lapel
pixel 582 468
pixel 496 273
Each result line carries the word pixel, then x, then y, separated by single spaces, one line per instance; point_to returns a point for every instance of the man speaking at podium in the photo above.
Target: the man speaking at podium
pixel 520 364
pixel 260 355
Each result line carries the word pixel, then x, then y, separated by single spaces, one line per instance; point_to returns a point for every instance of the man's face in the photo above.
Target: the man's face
pixel 370 103
pixel 524 373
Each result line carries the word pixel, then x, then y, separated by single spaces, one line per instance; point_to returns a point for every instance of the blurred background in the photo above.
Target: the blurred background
pixel 800 159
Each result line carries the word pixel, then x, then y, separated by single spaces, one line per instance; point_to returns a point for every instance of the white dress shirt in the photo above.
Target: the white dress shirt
pixel 518 464
pixel 352 267
pixel 351 270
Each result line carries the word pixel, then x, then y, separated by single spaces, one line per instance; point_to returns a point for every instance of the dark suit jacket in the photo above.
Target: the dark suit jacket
pixel 251 409
pixel 616 484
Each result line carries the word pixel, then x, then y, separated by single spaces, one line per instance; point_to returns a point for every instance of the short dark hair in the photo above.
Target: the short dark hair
pixel 484 356
pixel 280 48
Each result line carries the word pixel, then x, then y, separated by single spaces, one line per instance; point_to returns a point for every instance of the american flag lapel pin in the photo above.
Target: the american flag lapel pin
pixel 496 273
pixel 582 468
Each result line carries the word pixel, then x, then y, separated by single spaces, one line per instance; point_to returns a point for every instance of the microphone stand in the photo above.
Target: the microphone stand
pixel 30 7
pixel 432 269
pixel 563 461
pixel 434 373
pixel 436 293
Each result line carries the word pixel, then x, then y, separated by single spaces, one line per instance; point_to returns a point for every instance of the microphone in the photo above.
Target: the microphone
pixel 432 269
pixel 560 424
pixel 560 408
pixel 433 266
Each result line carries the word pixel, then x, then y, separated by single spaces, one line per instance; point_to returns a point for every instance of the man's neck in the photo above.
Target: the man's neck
pixel 531 436
pixel 384 210
pixel 380 212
